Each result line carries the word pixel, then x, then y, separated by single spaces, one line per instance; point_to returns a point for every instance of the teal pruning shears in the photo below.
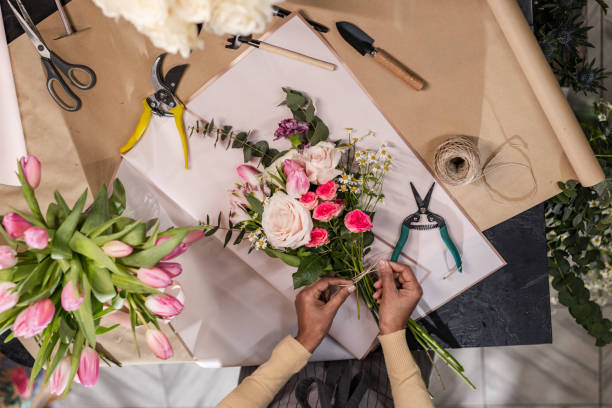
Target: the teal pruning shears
pixel 412 222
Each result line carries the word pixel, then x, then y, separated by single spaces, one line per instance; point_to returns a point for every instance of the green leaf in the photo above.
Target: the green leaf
pixel 247 151
pixel 294 100
pixel 260 148
pixel 296 140
pixel 103 239
pixel 102 329
pixel 50 340
pixel 61 241
pixel 117 200
pixel 28 194
pixel 239 237
pixel 53 216
pixel 228 237
pixel 321 132
pixel 11 241
pixel 150 242
pixel 101 283
pixel 83 314
pixel 98 213
pixel 86 247
pixel 311 268
pixel 131 284
pixel 77 349
pixel 368 238
pixel 136 236
pixel 309 112
pixel 34 278
pixel 255 204
pixel 63 206
pixel 240 140
pixel 577 220
pixel 150 257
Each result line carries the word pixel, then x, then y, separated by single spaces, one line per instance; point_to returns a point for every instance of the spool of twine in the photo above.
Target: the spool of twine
pixel 457 162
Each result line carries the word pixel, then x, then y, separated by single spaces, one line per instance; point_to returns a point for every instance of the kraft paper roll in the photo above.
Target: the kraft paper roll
pixel 547 91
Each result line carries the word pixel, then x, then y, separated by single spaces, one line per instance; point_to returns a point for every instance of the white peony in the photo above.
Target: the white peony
pixel 286 223
pixel 242 17
pixel 193 11
pixel 174 35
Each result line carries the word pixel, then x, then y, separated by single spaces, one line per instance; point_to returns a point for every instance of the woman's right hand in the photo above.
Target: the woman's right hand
pixel 397 293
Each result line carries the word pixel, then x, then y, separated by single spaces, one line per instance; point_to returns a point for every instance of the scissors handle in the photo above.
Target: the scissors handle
pixel 400 243
pixel 70 70
pixel 145 117
pixel 178 111
pixel 451 247
pixel 54 77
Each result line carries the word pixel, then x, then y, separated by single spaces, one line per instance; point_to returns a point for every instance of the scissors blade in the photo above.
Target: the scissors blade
pixel 174 75
pixel 156 74
pixel 417 197
pixel 428 196
pixel 30 29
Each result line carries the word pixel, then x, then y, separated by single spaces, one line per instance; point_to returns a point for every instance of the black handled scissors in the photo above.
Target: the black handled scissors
pixel 53 63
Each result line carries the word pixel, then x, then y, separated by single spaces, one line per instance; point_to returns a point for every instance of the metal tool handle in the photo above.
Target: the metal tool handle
pixel 297 56
pixel 451 247
pixel 400 243
pixel 54 77
pixel 69 71
pixel 178 111
pixel 145 117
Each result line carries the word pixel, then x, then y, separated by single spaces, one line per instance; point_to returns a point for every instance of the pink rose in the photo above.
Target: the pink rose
pixel 318 237
pixel 357 221
pixel 286 223
pixel 327 191
pixel 297 182
pixel 326 211
pixel 321 161
pixel 340 203
pixel 309 200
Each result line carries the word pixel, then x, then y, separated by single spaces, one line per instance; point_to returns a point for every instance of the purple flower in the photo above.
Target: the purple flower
pixel 289 127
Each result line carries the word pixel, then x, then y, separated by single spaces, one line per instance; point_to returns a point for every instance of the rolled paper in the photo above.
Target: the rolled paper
pixel 547 91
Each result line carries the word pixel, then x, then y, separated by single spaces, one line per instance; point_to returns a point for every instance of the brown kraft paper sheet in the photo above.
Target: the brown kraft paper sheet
pixel 475 86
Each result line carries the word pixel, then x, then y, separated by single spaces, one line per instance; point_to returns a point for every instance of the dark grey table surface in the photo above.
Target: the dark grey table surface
pixel 510 307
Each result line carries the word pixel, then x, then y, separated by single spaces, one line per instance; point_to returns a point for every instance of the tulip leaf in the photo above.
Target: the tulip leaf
pixel 51 337
pixel 53 216
pixel 103 239
pixel 98 212
pixel 150 242
pixel 66 332
pixel 83 314
pixel 150 257
pixel 117 200
pixel 34 278
pixel 101 283
pixel 77 349
pixel 132 284
pixel 86 247
pixel 29 218
pixel 136 236
pixel 133 324
pixel 12 242
pixel 61 241
pixel 59 354
pixel 102 228
pixel 63 206
pixel 103 329
pixel 28 194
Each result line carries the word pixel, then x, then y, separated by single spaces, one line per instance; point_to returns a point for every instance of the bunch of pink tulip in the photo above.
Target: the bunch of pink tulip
pixel 60 273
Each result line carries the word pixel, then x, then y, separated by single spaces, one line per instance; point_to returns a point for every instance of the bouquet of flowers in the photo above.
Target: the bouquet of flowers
pixel 312 206
pixel 61 273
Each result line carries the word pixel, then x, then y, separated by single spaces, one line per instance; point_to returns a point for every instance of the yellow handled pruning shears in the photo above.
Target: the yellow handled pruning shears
pixel 162 103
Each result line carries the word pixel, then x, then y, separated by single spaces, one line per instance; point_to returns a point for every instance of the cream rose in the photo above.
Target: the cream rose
pixel 286 223
pixel 321 161
pixel 242 17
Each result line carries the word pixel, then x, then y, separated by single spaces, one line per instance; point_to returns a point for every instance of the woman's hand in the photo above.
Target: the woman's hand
pixel 316 309
pixel 397 293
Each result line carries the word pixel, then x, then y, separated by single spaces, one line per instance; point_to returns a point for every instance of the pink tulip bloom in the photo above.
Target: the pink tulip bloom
pixel 309 200
pixel 165 306
pixel 249 174
pixel 297 181
pixel 179 250
pixel 60 376
pixel 193 236
pixel 159 344
pixel 21 381
pixel 31 170
pixel 318 237
pixel 36 237
pixel 117 249
pixel 172 269
pixel 34 319
pixel 154 277
pixel 327 191
pixel 89 367
pixel 15 225
pixel 8 298
pixel 8 257
pixel 357 221
pixel 71 299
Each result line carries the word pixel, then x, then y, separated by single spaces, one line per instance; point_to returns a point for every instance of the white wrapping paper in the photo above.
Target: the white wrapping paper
pixel 12 143
pixel 247 97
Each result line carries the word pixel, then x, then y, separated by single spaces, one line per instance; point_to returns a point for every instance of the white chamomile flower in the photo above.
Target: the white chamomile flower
pixel 343 188
pixel 363 161
pixel 377 167
pixel 554 300
pixel 607 211
pixel 372 158
pixel 253 236
pixel 596 240
pixel 602 117
pixel 353 180
pixel 564 236
pixel 606 273
pixel 593 203
pixel 386 168
pixel 355 189
pixel 609 105
pixel 341 148
pixel 344 178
